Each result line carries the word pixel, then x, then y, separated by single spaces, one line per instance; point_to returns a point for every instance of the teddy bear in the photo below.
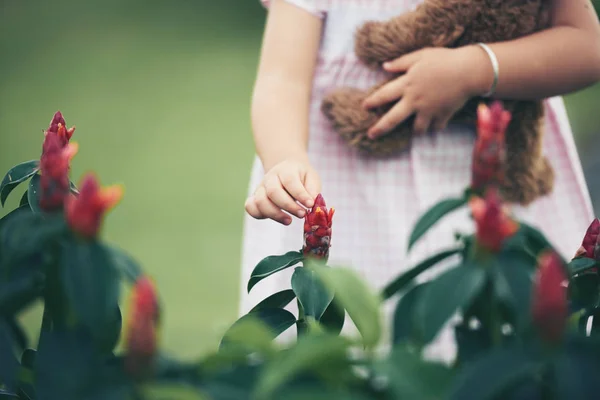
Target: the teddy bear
pixel 451 24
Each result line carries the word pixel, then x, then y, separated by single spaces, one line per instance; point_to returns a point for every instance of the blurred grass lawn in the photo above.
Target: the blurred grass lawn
pixel 159 92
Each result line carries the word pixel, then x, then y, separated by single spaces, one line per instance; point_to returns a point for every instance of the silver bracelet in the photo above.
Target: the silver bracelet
pixel 495 66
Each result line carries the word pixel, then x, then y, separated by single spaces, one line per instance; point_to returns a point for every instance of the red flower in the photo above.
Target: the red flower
pixel 54 172
pixel 317 230
pixel 58 128
pixel 494 225
pixel 141 334
pixel 590 246
pixel 85 212
pixel 489 152
pixel 549 298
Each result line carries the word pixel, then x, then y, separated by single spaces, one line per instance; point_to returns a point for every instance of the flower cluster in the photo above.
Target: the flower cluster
pixel 317 230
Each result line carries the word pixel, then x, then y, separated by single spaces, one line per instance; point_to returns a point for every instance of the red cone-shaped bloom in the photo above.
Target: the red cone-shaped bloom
pixel 494 225
pixel 141 332
pixel 58 128
pixel 590 241
pixel 85 213
pixel 549 298
pixel 317 230
pixel 489 152
pixel 54 173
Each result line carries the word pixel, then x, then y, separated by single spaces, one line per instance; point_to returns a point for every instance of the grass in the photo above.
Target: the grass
pixel 160 97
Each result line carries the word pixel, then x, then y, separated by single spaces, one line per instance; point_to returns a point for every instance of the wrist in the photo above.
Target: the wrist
pixel 271 160
pixel 480 75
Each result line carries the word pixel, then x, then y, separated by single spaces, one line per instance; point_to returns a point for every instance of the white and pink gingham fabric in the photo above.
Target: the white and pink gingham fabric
pixel 377 202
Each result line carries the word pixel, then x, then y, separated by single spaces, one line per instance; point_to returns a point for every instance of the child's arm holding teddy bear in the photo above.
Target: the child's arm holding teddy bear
pixel 436 82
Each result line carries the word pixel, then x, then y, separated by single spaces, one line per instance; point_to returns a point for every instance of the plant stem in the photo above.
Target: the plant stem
pixel 301 324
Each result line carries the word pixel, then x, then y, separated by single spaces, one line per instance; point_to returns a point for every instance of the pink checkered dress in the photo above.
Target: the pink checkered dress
pixel 377 202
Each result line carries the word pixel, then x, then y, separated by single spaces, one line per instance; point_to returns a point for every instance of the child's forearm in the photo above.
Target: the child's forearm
pixel 280 120
pixel 554 62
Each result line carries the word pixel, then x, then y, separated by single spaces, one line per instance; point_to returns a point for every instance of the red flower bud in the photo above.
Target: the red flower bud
pixel 85 212
pixel 489 152
pixel 58 128
pixel 549 298
pixel 317 230
pixel 589 245
pixel 494 225
pixel 141 334
pixel 54 172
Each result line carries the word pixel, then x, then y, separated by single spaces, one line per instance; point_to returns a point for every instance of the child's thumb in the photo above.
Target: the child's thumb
pixel 312 183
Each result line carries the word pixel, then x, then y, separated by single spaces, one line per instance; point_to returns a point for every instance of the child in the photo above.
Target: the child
pixel 308 51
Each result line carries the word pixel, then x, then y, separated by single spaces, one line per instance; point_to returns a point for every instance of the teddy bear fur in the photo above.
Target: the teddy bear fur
pixel 450 23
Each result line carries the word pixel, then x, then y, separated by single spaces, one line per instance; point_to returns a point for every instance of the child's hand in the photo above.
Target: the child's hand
pixel 282 186
pixel 436 83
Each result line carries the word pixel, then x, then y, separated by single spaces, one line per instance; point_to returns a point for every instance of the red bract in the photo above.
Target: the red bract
pixel 58 128
pixel 549 298
pixel 142 327
pixel 494 225
pixel 85 213
pixel 489 152
pixel 590 246
pixel 54 172
pixel 317 230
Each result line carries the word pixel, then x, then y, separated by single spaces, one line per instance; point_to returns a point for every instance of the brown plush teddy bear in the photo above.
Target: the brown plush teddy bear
pixel 451 23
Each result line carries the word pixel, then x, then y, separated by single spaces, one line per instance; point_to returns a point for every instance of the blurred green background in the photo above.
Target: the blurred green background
pixel 159 92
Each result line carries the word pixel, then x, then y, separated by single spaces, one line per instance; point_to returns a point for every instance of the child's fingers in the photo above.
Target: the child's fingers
pixel 312 183
pixel 403 63
pixel 281 198
pixel 260 207
pixel 386 94
pixel 293 185
pixel 401 111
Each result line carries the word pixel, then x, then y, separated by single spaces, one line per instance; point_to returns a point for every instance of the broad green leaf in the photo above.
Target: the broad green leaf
pixel 272 264
pixel 277 300
pixel 582 264
pixel 471 343
pixel 163 391
pixel 91 284
pixel 404 329
pixel 234 383
pixel 23 234
pixel 10 364
pixel 312 353
pixel 353 295
pixel 125 264
pixel 409 377
pixel 15 176
pixel 446 294
pixel 493 374
pixel 276 321
pixel 256 331
pixel 33 194
pixel 536 240
pixel 66 364
pixel 24 199
pixel 20 292
pixel 333 318
pixel 584 290
pixel 575 375
pixel 407 277
pixel 513 280
pixel 432 216
pixel 313 296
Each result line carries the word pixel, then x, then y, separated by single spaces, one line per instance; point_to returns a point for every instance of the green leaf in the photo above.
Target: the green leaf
pixel 575 376
pixel 313 296
pixel 10 364
pixel 23 234
pixel 24 199
pixel 277 320
pixel 432 216
pixel 404 329
pixel 164 391
pixel 536 241
pixel 451 291
pixel 324 394
pixel 277 300
pixel 15 176
pixel 406 278
pixel 582 264
pixel 33 194
pixel 333 318
pixel 91 284
pixel 312 353
pixel 513 280
pixel 125 264
pixel 20 292
pixel 493 374
pixel 409 377
pixel 353 295
pixel 272 264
